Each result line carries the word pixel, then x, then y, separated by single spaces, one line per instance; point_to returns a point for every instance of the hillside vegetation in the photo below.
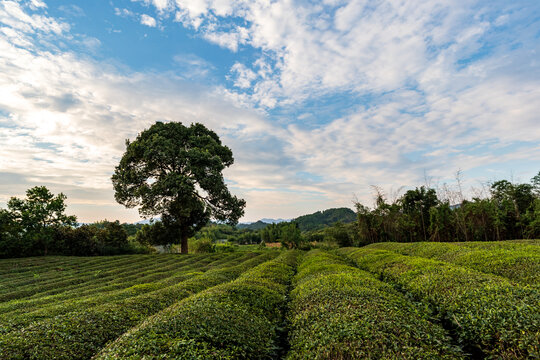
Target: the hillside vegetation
pixel 409 301
pixel 322 219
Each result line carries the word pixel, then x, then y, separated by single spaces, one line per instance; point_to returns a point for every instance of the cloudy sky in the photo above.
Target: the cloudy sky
pixel 318 100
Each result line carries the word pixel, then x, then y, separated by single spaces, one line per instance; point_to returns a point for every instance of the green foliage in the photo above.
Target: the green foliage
pixel 259 225
pixel 322 219
pixel 81 333
pixel 220 232
pixel 155 234
pixel 11 231
pixel 533 216
pixel 487 312
pixel 341 234
pixel 232 305
pixel 508 213
pixel 225 247
pixel 290 236
pixel 202 246
pixel 37 225
pixel 287 233
pixel 340 312
pixel 237 320
pixel 519 263
pixel 131 277
pixel 28 226
pixel 535 181
pixel 176 172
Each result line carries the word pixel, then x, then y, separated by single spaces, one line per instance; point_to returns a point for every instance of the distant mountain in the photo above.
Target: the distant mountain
pixel 322 219
pixel 147 221
pixel 261 224
pixel 274 221
pixel 315 221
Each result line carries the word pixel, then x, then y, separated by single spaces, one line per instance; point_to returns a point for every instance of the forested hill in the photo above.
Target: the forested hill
pixel 253 226
pixel 321 219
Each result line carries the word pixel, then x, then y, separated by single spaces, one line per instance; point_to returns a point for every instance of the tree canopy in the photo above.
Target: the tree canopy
pixel 37 216
pixel 174 171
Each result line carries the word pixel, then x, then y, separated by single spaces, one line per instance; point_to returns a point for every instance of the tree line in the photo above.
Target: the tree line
pixel 37 225
pixel 505 211
pixel 175 172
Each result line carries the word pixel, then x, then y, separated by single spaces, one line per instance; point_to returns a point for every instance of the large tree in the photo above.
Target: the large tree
pixel 174 171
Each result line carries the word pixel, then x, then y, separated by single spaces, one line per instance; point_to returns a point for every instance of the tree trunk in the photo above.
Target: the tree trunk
pixel 184 245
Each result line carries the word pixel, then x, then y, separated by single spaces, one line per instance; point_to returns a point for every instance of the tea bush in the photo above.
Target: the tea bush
pixel 340 312
pixel 487 312
pixel 237 320
pixel 519 263
pixel 80 334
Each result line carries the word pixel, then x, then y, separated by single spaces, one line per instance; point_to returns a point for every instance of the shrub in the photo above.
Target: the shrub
pixel 203 246
pixel 151 277
pixel 520 263
pixel 340 312
pixel 81 334
pixel 237 320
pixel 225 248
pixel 487 313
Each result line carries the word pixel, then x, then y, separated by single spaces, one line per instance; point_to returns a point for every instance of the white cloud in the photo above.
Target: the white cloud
pixel 36 4
pixel 148 20
pixel 432 105
pixel 244 76
pixel 64 119
pixel 193 66
pixel 14 16
pixel 421 63
pixel 123 12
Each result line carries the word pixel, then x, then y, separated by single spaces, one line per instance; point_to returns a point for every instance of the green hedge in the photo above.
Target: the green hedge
pixel 52 272
pixel 80 334
pixel 56 283
pixel 237 320
pixel 162 271
pixel 487 312
pixel 519 263
pixel 340 312
pixel 16 319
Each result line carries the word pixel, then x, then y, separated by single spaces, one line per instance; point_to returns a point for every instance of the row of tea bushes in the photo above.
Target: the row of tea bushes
pixel 340 312
pixel 237 320
pixel 506 244
pixel 518 262
pixel 56 282
pixel 162 270
pixel 20 318
pixel 51 270
pixel 487 313
pixel 45 276
pixel 105 275
pixel 18 268
pixel 80 334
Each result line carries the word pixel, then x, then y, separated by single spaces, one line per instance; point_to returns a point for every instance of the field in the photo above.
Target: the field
pixel 383 301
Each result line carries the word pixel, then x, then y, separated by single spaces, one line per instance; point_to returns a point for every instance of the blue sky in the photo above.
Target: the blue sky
pixel 319 100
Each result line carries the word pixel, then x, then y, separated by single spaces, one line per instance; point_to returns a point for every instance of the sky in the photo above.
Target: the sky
pixel 319 101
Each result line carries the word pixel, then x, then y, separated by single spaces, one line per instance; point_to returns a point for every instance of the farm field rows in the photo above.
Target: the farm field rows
pixel 383 301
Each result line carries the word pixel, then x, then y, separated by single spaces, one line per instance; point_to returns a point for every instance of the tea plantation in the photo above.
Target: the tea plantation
pixel 383 301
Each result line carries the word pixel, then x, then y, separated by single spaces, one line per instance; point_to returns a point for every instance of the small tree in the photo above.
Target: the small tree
pixel 38 215
pixel 340 234
pixel 290 236
pixel 176 172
